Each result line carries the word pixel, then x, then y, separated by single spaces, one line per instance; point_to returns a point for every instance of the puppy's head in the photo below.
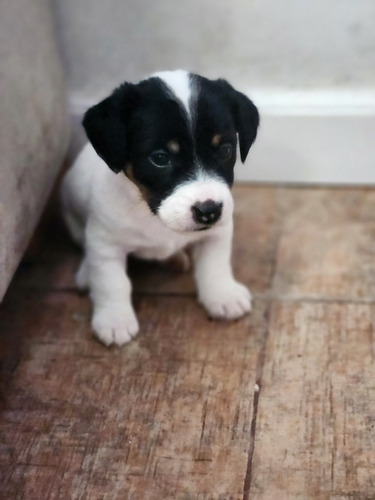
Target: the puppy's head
pixel 175 136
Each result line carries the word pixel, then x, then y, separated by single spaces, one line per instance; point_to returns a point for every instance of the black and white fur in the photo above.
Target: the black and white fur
pixel 171 140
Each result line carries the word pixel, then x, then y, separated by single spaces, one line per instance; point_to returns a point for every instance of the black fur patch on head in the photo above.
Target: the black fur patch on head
pixel 224 111
pixel 137 123
pixel 159 120
pixel 106 123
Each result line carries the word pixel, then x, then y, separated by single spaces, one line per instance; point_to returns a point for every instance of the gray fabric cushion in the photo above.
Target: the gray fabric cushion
pixel 33 124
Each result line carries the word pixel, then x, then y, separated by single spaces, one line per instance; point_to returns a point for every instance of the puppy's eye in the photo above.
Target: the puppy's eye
pixel 160 158
pixel 225 151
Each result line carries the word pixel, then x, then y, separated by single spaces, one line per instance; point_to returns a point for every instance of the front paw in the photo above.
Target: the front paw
pixel 228 301
pixel 115 325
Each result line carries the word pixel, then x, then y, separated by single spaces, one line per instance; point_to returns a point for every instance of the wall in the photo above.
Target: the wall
pixel 296 58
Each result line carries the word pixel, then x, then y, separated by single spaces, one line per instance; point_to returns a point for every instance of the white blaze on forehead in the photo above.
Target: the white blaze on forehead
pixel 179 83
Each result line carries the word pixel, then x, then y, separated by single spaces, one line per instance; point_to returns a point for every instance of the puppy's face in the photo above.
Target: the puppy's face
pixel 175 136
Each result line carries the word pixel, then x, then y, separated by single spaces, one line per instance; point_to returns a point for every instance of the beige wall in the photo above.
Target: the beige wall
pixel 308 64
pixel 254 43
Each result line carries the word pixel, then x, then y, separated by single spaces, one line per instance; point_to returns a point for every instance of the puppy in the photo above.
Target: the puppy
pixel 170 144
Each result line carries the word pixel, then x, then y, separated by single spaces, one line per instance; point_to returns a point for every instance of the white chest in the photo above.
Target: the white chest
pixel 146 236
pixel 125 215
pixel 157 242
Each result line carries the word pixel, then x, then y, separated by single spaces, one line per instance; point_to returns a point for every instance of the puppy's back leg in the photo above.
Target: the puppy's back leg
pixel 73 219
pixel 75 226
pixel 82 276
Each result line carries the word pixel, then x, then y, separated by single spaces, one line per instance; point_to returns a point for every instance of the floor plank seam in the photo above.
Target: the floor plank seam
pixel 256 396
pixel 264 297
pixel 73 290
pixel 313 300
pixel 261 360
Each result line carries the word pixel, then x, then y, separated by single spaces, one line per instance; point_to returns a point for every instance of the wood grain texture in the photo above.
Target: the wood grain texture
pixel 255 225
pixel 167 417
pixel 326 248
pixel 177 413
pixel 316 415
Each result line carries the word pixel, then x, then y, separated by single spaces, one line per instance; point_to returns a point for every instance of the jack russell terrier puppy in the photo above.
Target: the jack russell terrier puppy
pixel 170 144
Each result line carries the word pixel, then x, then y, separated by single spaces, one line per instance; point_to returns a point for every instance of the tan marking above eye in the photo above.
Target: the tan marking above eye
pixel 173 146
pixel 128 171
pixel 216 139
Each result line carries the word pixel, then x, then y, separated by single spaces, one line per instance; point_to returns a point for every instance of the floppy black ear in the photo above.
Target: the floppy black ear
pixel 246 118
pixel 105 125
pixel 247 122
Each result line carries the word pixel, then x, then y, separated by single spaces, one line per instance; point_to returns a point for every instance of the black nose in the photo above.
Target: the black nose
pixel 207 212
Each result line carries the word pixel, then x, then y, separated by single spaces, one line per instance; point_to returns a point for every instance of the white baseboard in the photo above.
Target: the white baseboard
pixel 319 136
pixel 325 137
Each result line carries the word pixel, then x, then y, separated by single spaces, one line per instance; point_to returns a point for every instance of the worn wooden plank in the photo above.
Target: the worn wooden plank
pixel 315 432
pixel 326 247
pixel 168 416
pixel 255 227
pixel 173 414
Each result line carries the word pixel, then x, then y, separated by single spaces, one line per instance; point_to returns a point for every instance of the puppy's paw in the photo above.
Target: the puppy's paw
pixel 227 301
pixel 115 325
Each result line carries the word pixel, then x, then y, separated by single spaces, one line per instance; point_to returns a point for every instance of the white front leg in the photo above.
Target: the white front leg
pixel 114 320
pixel 218 291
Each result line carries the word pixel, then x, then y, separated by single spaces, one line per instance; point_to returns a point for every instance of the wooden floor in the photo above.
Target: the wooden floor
pixel 278 405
